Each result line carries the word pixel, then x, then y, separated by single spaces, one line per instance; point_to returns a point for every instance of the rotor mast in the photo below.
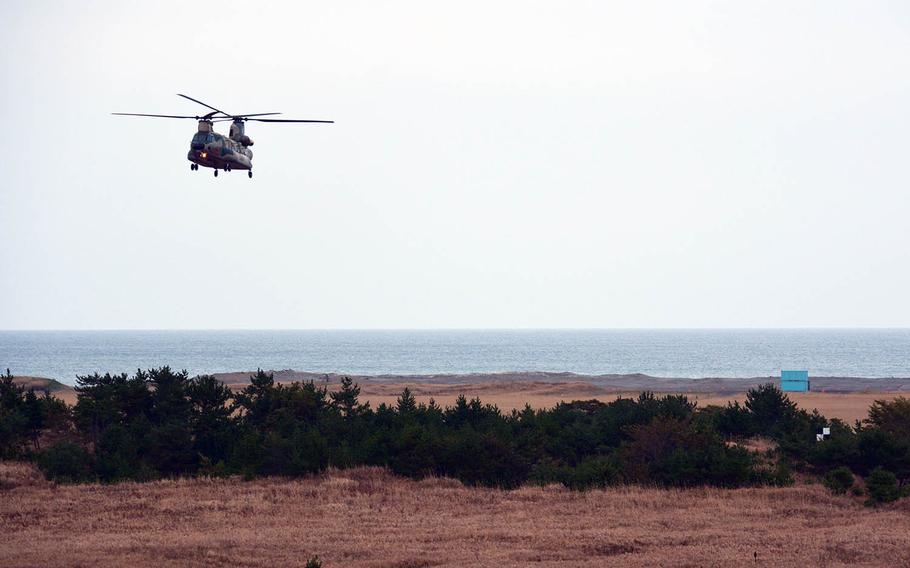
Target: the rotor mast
pixel 238 132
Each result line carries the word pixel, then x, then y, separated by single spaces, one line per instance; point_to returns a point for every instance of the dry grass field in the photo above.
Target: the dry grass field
pixel 367 518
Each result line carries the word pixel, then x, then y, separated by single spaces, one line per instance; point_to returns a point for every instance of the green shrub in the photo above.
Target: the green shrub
pixel 880 448
pixel 782 476
pixel 209 469
pixel 160 423
pixel 66 462
pixel 732 420
pixel 770 408
pixel 882 486
pixel 675 453
pixel 314 562
pixel 891 416
pixel 592 472
pixel 839 480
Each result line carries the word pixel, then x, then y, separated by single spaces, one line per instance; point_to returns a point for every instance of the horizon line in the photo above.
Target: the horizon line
pixel 443 329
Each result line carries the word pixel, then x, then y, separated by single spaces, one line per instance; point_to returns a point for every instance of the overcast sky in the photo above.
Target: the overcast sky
pixel 493 164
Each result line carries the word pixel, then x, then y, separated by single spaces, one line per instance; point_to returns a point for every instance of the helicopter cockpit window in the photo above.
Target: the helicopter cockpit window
pixel 199 138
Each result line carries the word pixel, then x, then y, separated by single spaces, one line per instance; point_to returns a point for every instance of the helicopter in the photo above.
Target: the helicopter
pixel 210 149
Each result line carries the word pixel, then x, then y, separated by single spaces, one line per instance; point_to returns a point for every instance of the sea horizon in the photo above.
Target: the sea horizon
pixel 668 352
pixel 644 328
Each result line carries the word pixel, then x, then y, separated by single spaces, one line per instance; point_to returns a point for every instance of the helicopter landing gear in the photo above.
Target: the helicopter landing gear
pixel 250 173
pixel 216 173
pixel 227 167
pixel 194 167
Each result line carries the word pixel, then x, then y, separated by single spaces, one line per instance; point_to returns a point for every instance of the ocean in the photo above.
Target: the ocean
pixel 63 355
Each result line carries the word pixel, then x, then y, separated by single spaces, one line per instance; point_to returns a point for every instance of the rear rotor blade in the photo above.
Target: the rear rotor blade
pixel 289 120
pixel 203 104
pixel 244 116
pixel 257 114
pixel 154 115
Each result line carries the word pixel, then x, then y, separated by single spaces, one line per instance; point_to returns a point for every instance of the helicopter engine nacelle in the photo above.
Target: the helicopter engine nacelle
pixel 246 140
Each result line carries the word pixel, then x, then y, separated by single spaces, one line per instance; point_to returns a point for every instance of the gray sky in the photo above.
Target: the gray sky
pixel 493 164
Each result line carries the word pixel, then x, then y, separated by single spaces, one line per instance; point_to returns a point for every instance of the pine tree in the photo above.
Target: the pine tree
pixel 407 404
pixel 10 392
pixel 345 398
pixel 257 398
pixel 34 416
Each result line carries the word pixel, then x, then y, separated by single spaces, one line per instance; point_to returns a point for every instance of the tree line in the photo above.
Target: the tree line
pixel 161 423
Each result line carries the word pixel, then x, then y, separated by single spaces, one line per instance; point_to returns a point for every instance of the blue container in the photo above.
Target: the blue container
pixel 794 381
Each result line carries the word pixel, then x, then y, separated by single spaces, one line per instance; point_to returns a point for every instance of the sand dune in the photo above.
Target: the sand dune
pixel 609 383
pixel 41 384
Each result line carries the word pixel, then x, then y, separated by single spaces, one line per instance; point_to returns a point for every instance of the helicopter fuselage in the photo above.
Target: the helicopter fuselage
pixel 213 150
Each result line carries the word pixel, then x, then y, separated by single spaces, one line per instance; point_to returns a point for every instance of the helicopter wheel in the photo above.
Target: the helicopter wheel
pixel 216 173
pixel 250 173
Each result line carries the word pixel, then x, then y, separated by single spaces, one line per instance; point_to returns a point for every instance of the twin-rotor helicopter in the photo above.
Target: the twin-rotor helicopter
pixel 212 150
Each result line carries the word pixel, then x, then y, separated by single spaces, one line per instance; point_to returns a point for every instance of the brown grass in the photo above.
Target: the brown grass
pixel 368 518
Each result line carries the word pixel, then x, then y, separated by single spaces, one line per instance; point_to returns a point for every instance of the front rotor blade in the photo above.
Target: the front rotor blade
pixel 203 104
pixel 289 120
pixel 153 115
